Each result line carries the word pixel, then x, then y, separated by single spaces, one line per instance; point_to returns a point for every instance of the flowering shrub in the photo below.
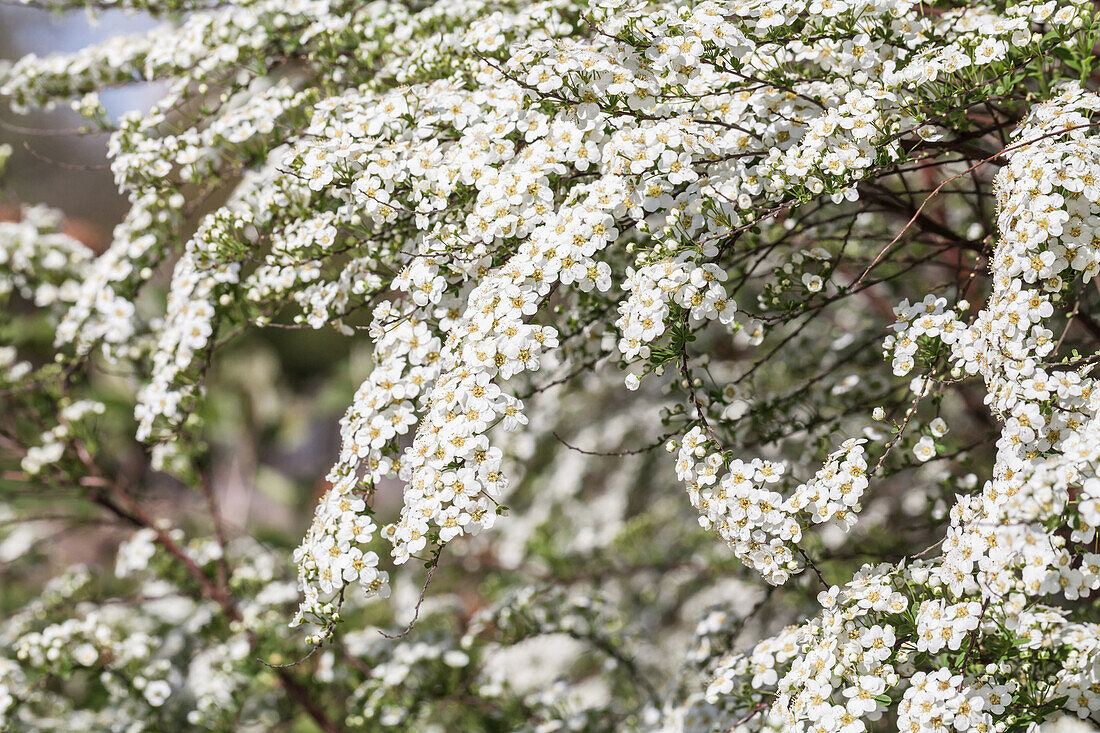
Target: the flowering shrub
pixel 839 259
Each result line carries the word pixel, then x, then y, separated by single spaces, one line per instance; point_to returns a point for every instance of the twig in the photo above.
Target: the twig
pixel 620 453
pixel 63 165
pixel 812 566
pixel 419 601
pixel 751 714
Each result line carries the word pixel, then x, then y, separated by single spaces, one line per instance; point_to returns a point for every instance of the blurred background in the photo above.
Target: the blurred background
pixel 273 432
pixel 77 181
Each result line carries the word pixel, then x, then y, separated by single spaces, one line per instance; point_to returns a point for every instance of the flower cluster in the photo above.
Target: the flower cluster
pixel 695 289
pixel 742 501
pixel 38 261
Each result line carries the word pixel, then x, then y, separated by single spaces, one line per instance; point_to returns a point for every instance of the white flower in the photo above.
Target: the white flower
pixel 455 658
pixel 157 692
pixel 86 654
pixel 925 449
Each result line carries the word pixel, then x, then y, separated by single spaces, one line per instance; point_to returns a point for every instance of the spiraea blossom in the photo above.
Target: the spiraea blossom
pixel 840 259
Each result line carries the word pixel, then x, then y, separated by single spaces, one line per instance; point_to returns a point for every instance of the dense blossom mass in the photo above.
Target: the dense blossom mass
pixel 735 355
